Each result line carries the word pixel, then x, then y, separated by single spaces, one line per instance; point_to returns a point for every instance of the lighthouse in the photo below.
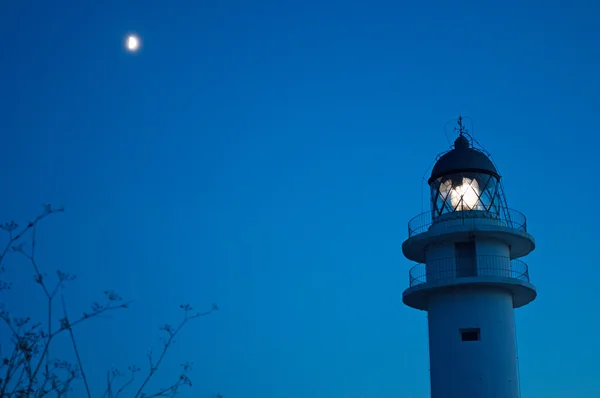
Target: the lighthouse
pixel 469 275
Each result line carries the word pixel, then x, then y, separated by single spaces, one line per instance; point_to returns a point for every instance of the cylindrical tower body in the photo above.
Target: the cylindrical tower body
pixel 472 344
pixel 468 277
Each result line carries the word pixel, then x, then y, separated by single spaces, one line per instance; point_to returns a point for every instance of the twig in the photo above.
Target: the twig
pixel 84 317
pixel 10 369
pixel 172 333
pixel 11 226
pixel 72 335
pixel 124 386
pixel 108 382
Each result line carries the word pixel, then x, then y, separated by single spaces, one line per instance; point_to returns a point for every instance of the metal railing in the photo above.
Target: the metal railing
pixel 445 269
pixel 506 217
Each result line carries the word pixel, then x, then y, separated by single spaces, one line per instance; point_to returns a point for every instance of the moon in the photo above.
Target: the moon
pixel 132 43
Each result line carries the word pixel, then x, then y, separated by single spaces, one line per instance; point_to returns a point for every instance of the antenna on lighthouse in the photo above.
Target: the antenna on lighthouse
pixel 461 127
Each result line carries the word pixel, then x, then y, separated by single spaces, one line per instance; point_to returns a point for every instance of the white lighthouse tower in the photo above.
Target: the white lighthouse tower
pixel 468 277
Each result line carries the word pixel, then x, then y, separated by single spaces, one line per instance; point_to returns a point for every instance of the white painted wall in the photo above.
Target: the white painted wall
pixel 480 369
pixel 439 261
pixel 493 257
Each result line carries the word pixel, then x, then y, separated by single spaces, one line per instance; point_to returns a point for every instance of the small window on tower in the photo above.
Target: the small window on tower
pixel 470 334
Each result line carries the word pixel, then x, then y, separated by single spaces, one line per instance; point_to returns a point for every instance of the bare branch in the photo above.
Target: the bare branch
pixel 11 227
pixel 72 335
pixel 133 371
pixel 65 324
pixel 173 389
pixel 171 332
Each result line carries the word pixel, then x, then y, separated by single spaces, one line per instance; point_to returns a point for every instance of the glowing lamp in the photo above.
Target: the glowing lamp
pixel 463 196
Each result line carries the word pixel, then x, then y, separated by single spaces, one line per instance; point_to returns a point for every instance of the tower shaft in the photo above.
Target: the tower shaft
pixel 472 344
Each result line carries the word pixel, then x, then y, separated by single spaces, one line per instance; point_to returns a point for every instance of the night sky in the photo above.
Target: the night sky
pixel 267 156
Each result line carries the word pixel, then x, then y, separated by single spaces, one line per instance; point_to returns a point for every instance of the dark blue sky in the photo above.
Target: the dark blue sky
pixel 267 156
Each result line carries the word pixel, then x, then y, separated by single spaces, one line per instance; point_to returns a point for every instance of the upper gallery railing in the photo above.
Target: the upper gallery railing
pixel 506 217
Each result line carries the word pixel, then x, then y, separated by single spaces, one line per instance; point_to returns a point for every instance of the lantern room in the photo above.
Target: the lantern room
pixel 465 179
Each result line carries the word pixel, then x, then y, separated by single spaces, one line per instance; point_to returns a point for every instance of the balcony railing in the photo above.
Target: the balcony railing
pixel 506 217
pixel 445 269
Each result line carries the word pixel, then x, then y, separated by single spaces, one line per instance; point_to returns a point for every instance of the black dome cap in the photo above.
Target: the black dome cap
pixel 463 158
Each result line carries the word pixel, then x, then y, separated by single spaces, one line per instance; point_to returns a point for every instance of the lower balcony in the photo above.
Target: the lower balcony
pixel 483 271
pixel 448 269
